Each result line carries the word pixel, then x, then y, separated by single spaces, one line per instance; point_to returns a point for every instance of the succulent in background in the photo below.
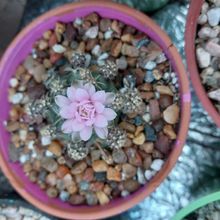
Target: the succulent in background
pixel 78 60
pixel 77 151
pixel 109 70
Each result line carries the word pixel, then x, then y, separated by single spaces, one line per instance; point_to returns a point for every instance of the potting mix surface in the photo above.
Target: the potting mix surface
pixel 74 176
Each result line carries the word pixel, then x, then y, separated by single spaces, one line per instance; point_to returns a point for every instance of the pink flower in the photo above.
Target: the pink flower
pixel 84 109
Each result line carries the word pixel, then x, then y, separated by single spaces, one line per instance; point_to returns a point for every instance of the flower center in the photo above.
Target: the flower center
pixel 86 110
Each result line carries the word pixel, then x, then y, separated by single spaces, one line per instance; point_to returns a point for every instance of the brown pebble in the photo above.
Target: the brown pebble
pixel 165 101
pixel 72 189
pixel 157 154
pixel 55 148
pixel 88 175
pixel 163 144
pixel 131 185
pixel 51 179
pixel 79 167
pixel 139 73
pixel 127 126
pixel 105 24
pixel 139 129
pixel 62 171
pixel 106 45
pixel 102 197
pixel 52 192
pixel 129 50
pixel 171 114
pixel 116 48
pixel 128 171
pixel 139 139
pixel 147 147
pixel 169 131
pixel 154 109
pixel 27 167
pixel 146 87
pixel 13 126
pixel 33 176
pixel 99 166
pixel 136 160
pixel 77 199
pixel 164 90
pixel 147 162
pixel 113 174
pixel 107 189
pixel 96 186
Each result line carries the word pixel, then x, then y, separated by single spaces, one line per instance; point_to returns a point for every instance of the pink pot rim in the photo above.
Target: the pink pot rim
pixel 14 172
pixel 190 35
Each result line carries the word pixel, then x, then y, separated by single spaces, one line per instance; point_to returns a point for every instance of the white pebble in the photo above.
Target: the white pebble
pixel 78 21
pixel 92 32
pixel 148 174
pixel 213 16
pixel 23 134
pixel 31 145
pixel 146 117
pixel 45 140
pixel 157 164
pixel 104 56
pixel 23 158
pixel 57 48
pixel 96 51
pixel 150 65
pixel 108 34
pixel 140 176
pixel 13 82
pixel 16 98
pixel 48 153
pixel 88 59
pixel 124 193
pixel 202 19
pixel 203 57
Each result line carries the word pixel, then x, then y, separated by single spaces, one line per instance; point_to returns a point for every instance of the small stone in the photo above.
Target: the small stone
pixel 127 126
pixel 51 179
pixel 91 198
pixel 213 48
pixel 139 129
pixel 62 171
pixel 79 167
pixel 203 57
pixel 213 16
pixel 128 171
pixel 12 126
pixel 163 144
pixel 147 147
pixel 43 44
pixel 135 160
pixel 113 174
pixel 70 32
pixel 149 77
pixel 84 185
pixel 115 26
pixel 149 174
pixel 202 19
pixel 102 197
pixel 129 50
pixel 99 166
pixel 131 185
pixel 58 48
pixel 140 139
pixel 215 95
pixel 164 90
pixel 13 82
pixel 140 176
pixel 100 176
pixel 64 196
pixel 125 193
pixel 116 48
pixel 88 175
pixel 92 32
pixel 96 186
pixel 45 140
pixel 105 24
pixel 207 32
pixel 150 65
pixel 122 63
pixel 96 51
pixel 16 98
pixel 165 101
pixel 147 162
pixel 55 148
pixel 49 164
pixel 168 130
pixel 146 117
pixel 157 154
pixel 52 192
pixel 39 73
pixel 171 114
pixel 119 156
pixel 154 109
pixel 157 164
pixel 77 199
pixel 127 38
pixel 95 155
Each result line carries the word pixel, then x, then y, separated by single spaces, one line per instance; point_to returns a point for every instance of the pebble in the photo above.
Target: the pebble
pixel 95 154
pixel 100 176
pixel 149 174
pixel 154 109
pixel 99 166
pixel 52 192
pixel 122 63
pixel 164 90
pixel 202 19
pixel 169 131
pixel 213 48
pixel 79 167
pixel 139 139
pixel 13 82
pixel 102 197
pixel 213 16
pixel 146 117
pixel 207 32
pixel 163 144
pixel 157 164
pixel 140 176
pixel 215 95
pixel 171 114
pixel 128 171
pixel 147 147
pixel 77 199
pixel 58 48
pixel 64 196
pixel 92 32
pixel 147 162
pixel 84 185
pixel 96 51
pixel 16 98
pixel 150 65
pixel 129 50
pixel 203 57
pixel 62 171
pixel 88 175
pixel 55 148
pixel 45 140
pixel 51 179
pixel 91 198
pixel 165 101
pixel 149 77
pixel 39 73
pixel 108 34
pixel 119 156
pixel 49 164
pixel 131 185
pixel 113 174
pixel 116 48
pixel 127 126
pixel 105 24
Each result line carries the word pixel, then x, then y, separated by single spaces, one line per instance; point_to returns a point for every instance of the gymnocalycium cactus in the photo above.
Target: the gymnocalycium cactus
pixel 81 106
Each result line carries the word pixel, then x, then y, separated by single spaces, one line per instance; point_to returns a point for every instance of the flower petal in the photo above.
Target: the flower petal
pixel 99 107
pixel 100 121
pixel 86 133
pixel 71 93
pixel 90 122
pixel 101 132
pixel 89 88
pixel 109 114
pixel 110 97
pixel 81 94
pixel 67 126
pixel 99 96
pixel 68 112
pixel 77 126
pixel 62 101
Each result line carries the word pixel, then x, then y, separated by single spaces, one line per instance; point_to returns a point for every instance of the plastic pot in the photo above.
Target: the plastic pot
pixel 16 53
pixel 193 206
pixel 190 35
